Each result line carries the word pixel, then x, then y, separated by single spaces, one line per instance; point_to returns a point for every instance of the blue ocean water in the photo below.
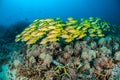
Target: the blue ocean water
pixel 12 11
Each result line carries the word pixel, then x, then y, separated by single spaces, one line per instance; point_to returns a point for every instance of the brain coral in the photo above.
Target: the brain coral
pixel 50 30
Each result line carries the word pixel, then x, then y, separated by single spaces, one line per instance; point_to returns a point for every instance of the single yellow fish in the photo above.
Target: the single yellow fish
pixel 44 41
pixel 31 41
pixel 41 33
pixel 72 31
pixel 81 36
pixel 70 19
pixel 93 35
pixel 49 20
pixel 44 29
pixel 65 36
pixel 26 38
pixel 52 36
pixel 99 31
pixel 53 39
pixel 34 32
pixel 101 35
pixel 91 30
pixel 64 32
pixel 68 40
pixel 53 32
pixel 51 27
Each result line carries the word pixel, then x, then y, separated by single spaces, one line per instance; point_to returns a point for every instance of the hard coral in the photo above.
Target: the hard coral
pixel 50 30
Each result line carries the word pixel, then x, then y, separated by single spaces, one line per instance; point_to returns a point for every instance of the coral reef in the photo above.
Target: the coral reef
pixel 57 50
pixel 115 74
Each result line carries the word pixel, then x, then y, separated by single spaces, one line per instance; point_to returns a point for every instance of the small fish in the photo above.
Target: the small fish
pixel 81 36
pixel 44 29
pixel 99 31
pixel 64 32
pixel 91 19
pixel 27 29
pixel 101 35
pixel 36 20
pixel 26 38
pixel 65 36
pixel 35 32
pixel 31 41
pixel 53 39
pixel 44 41
pixel 93 35
pixel 84 28
pixel 18 38
pixel 91 31
pixel 25 35
pixel 51 27
pixel 68 40
pixel 52 36
pixel 72 31
pixel 49 20
pixel 79 27
pixel 54 32
pixel 96 21
pixel 70 19
pixel 74 21
pixel 69 28
pixel 41 33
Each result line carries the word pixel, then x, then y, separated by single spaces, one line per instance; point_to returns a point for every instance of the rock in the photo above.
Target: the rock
pixel 86 65
pixel 69 49
pixel 108 40
pixel 93 45
pixel 77 48
pixel 116 46
pixel 88 39
pixel 88 54
pixel 48 59
pixel 77 45
pixel 84 44
pixel 85 54
pixel 101 63
pixel 117 56
pixel 105 51
pixel 33 51
pixel 55 45
pixel 92 55
pixel 16 63
pixel 42 56
pixel 115 74
pixel 102 42
pixel 32 60
pixel 66 55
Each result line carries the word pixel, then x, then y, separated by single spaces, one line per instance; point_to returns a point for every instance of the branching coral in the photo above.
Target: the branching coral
pixel 49 30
